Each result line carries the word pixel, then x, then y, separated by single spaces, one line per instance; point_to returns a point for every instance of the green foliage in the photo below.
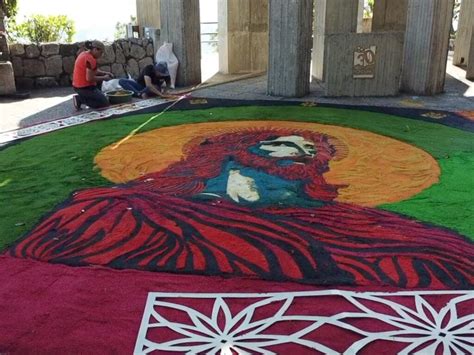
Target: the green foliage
pixel 42 29
pixel 120 30
pixel 9 7
pixel 456 11
pixel 369 9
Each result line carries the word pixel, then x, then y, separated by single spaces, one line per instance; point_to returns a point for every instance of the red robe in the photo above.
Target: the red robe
pixel 337 244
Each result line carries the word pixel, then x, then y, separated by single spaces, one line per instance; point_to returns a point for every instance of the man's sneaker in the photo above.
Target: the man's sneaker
pixel 76 100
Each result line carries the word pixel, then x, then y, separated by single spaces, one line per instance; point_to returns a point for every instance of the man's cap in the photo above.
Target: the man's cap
pixel 98 45
pixel 162 68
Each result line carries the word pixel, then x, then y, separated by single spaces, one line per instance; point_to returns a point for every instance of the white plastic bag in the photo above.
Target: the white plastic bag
pixel 111 85
pixel 165 54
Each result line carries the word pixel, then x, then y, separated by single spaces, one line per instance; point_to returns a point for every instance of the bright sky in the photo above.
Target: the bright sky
pixel 96 19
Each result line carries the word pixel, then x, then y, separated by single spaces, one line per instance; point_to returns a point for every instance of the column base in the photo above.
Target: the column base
pixel 7 79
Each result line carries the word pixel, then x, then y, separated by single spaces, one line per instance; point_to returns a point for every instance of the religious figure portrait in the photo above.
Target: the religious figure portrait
pixel 251 202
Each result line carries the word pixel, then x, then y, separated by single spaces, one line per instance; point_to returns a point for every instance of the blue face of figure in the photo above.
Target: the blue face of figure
pixel 289 150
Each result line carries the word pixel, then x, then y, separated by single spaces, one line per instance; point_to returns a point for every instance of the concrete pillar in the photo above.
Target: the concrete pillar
pixel 243 35
pixel 360 17
pixel 148 20
pixel 4 52
pixel 426 46
pixel 464 33
pixel 7 79
pixel 390 15
pixel 148 14
pixel 470 60
pixel 331 16
pixel 180 25
pixel 290 47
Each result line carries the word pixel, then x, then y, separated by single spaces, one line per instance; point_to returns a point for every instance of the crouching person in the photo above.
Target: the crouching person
pixel 150 81
pixel 87 79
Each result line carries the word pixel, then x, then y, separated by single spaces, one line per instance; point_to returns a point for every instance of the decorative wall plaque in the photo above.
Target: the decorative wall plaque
pixel 364 63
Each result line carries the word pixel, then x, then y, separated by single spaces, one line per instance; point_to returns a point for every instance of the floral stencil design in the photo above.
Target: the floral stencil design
pixel 420 328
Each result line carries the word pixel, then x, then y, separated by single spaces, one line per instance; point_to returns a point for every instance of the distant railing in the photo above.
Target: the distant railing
pixel 211 34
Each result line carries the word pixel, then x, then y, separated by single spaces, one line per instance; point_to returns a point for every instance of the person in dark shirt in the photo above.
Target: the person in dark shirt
pixel 149 82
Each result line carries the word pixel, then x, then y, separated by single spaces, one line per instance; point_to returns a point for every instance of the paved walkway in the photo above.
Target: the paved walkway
pixel 458 95
pixel 51 104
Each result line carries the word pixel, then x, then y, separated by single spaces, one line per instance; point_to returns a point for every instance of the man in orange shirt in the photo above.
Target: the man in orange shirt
pixel 87 78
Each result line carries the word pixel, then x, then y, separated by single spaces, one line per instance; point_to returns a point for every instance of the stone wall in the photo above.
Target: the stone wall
pixel 52 64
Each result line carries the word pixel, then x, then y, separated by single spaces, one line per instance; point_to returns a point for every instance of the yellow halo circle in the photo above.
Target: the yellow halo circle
pixel 375 168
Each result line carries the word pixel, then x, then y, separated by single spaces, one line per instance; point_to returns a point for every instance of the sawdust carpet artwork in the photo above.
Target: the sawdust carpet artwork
pixel 266 204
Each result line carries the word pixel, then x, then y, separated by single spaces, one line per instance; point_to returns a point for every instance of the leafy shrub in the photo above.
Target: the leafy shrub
pixel 369 8
pixel 40 28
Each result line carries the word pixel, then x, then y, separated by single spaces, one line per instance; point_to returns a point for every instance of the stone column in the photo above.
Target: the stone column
pixel 426 46
pixel 4 52
pixel 243 35
pixel 180 25
pixel 470 60
pixel 331 16
pixel 7 79
pixel 390 15
pixel 360 17
pixel 464 33
pixel 290 47
pixel 148 14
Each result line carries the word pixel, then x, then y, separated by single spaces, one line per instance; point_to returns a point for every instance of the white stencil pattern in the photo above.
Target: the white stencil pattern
pixel 421 327
pixel 41 128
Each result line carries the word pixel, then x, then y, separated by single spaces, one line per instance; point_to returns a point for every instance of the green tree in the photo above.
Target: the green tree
pixel 121 28
pixel 40 28
pixel 9 7
pixel 369 9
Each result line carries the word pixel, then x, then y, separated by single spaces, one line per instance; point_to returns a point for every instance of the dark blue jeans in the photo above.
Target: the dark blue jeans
pixel 132 85
pixel 92 97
